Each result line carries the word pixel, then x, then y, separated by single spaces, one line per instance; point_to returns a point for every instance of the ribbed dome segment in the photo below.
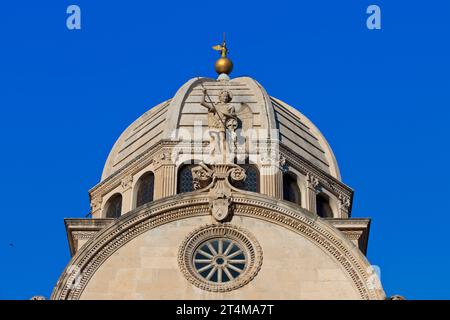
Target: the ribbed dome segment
pixel 257 109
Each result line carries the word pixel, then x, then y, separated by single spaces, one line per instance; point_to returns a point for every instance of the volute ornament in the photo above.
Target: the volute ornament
pixel 217 179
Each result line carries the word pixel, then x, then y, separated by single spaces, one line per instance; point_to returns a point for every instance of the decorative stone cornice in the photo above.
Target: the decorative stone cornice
pixel 83 235
pixel 325 180
pixel 138 163
pixel 163 152
pixel 82 229
pixel 356 230
pixel 129 226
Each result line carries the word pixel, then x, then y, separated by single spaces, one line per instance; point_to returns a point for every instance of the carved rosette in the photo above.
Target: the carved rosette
pixel 237 174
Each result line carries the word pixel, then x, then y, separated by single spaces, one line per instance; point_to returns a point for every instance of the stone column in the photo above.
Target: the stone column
pixel 166 181
pixel 127 194
pixel 271 181
pixel 165 177
pixel 311 194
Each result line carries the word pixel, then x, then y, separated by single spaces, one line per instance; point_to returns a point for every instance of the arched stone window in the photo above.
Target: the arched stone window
pixel 323 206
pixel 291 191
pixel 145 189
pixel 185 181
pixel 114 206
pixel 251 183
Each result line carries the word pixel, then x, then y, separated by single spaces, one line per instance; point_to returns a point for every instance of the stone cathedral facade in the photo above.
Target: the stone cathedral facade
pixel 221 192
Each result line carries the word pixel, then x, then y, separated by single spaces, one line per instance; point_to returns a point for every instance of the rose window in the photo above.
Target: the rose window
pixel 220 257
pixel 220 260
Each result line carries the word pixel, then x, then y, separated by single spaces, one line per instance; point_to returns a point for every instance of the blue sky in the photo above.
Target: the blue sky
pixel 381 98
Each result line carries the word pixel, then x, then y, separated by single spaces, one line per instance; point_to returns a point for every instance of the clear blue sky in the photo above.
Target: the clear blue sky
pixel 381 98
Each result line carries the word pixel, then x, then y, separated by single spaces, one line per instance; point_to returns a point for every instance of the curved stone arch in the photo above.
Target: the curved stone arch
pixel 91 256
pixel 137 180
pixel 109 199
pixel 332 199
pixel 320 232
pixel 296 176
pixel 83 265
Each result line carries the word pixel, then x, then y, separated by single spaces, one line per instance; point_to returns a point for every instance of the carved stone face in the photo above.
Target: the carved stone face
pixel 225 96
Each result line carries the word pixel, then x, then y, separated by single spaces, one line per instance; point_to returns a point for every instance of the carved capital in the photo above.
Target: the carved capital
pixel 162 158
pixel 313 181
pixel 344 201
pixel 283 164
pixel 127 182
pixel 96 204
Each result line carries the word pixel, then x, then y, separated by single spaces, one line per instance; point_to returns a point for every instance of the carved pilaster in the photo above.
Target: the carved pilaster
pixel 165 178
pixel 312 182
pixel 160 159
pixel 344 205
pixel 169 186
pixel 96 206
pixel 271 181
pixel 165 175
pixel 127 193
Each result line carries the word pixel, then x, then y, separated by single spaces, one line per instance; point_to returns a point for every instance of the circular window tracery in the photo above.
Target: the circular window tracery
pixel 220 257
pixel 220 260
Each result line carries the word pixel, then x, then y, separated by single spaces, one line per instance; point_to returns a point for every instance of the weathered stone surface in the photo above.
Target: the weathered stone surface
pixel 293 268
pixel 155 249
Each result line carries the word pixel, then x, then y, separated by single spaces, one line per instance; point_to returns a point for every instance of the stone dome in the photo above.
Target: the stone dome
pixel 165 227
pixel 296 132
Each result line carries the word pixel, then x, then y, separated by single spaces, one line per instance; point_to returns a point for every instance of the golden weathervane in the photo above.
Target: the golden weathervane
pixel 223 64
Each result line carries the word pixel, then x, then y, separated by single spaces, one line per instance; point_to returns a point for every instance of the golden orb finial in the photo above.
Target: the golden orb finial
pixel 223 65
